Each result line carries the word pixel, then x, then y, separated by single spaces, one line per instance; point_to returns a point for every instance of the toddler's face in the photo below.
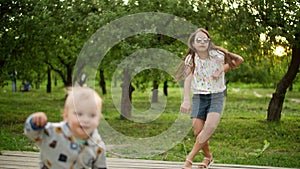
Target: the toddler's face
pixel 84 119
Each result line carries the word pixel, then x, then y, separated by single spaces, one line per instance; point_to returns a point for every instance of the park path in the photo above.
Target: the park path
pixel 270 96
pixel 29 160
pixel 295 100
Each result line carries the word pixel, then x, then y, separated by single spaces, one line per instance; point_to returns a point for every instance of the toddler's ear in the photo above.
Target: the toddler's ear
pixel 69 90
pixel 65 115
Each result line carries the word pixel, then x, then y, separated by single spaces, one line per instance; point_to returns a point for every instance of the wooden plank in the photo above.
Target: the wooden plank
pixel 20 153
pixel 29 160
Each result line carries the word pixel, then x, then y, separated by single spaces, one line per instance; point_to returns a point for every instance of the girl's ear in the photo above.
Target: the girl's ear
pixel 65 115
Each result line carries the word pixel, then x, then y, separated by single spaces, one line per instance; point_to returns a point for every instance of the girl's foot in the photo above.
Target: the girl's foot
pixel 188 164
pixel 206 162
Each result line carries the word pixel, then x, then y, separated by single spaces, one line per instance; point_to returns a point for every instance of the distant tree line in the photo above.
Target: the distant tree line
pixel 41 40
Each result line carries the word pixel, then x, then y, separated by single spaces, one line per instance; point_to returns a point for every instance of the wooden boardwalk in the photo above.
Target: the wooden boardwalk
pixel 29 160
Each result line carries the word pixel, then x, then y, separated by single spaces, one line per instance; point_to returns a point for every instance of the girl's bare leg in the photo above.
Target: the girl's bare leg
pixel 198 126
pixel 203 137
pixel 206 150
pixel 210 125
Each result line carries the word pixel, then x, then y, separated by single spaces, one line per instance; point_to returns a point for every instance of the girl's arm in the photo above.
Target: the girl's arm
pixel 186 105
pixel 236 60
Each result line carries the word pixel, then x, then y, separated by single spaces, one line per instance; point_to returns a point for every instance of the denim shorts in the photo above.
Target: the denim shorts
pixel 206 103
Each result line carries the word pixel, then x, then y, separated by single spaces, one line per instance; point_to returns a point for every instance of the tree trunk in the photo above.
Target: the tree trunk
pixel 166 88
pixel 102 82
pixel 115 83
pixel 275 105
pixel 55 80
pixel 14 85
pixel 155 92
pixel 291 88
pixel 49 80
pixel 14 81
pixel 37 81
pixel 68 81
pixel 127 90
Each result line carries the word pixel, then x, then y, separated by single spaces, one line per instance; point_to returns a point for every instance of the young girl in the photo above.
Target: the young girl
pixel 74 142
pixel 204 71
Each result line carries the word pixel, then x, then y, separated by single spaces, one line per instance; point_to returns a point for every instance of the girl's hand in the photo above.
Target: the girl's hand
pixel 234 63
pixel 39 119
pixel 185 107
pixel 216 75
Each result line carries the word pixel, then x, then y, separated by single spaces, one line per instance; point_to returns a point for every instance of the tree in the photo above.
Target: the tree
pixel 126 97
pixel 275 105
pixel 43 36
pixel 102 82
pixel 66 29
pixel 16 38
pixel 248 20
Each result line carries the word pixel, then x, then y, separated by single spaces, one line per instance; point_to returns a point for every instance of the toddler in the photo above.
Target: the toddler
pixel 75 141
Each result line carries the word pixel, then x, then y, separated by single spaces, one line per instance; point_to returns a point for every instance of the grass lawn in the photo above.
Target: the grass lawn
pixel 242 137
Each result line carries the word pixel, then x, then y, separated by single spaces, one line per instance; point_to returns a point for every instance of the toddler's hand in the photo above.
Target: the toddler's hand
pixel 39 119
pixel 185 107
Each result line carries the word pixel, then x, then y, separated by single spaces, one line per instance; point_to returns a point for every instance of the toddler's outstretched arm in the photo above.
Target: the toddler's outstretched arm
pixel 34 126
pixel 39 119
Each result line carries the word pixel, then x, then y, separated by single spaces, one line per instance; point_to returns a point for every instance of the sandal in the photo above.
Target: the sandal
pixel 206 162
pixel 189 161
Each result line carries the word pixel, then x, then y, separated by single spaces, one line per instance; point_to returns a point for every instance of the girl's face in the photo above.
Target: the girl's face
pixel 84 119
pixel 201 42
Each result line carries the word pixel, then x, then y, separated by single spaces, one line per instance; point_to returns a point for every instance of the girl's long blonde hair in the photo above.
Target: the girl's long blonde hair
pixel 182 72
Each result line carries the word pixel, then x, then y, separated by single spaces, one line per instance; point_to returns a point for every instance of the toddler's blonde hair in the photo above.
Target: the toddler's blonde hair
pixel 75 94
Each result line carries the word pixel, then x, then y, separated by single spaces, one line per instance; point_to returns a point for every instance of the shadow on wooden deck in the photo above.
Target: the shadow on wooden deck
pixel 29 160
